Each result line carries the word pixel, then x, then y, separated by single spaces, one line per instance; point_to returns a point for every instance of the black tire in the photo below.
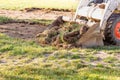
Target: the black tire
pixel 111 37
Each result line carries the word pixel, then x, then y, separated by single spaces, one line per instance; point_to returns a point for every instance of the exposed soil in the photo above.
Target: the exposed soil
pixel 34 14
pixel 21 30
pixel 24 30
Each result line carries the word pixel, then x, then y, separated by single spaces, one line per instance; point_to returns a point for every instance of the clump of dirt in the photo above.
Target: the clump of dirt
pixel 64 35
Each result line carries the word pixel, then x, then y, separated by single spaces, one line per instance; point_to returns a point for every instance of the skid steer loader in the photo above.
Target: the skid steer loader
pixel 103 21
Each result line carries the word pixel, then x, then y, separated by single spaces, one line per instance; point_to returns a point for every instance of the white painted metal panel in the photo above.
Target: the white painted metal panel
pixel 91 12
pixel 118 4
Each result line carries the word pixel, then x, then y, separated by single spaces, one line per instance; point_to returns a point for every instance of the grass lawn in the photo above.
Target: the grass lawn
pixel 27 60
pixel 21 4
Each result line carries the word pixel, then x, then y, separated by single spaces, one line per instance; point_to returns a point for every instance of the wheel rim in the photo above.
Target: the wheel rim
pixel 117 30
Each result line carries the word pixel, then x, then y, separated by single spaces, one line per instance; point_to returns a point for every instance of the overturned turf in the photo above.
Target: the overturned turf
pixel 60 34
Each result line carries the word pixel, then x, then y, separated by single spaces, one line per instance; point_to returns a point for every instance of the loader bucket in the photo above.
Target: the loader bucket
pixel 92 38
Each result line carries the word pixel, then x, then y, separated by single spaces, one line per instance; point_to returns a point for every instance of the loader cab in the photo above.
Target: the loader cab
pixel 98 1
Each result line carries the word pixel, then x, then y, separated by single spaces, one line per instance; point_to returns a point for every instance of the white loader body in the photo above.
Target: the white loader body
pixel 91 12
pixel 94 12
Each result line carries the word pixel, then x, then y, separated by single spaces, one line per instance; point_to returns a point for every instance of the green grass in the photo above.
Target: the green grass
pixel 27 60
pixel 4 19
pixel 21 4
pixel 40 21
pixel 110 59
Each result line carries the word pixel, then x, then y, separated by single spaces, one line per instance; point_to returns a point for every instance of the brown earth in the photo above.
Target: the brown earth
pixel 34 14
pixel 26 30
pixel 21 30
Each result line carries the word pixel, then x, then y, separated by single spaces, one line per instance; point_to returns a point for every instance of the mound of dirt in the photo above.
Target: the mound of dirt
pixel 60 35
pixel 71 34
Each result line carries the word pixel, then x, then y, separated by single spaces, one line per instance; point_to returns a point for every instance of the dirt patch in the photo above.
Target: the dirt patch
pixel 21 30
pixel 60 34
pixel 35 14
pixel 49 9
